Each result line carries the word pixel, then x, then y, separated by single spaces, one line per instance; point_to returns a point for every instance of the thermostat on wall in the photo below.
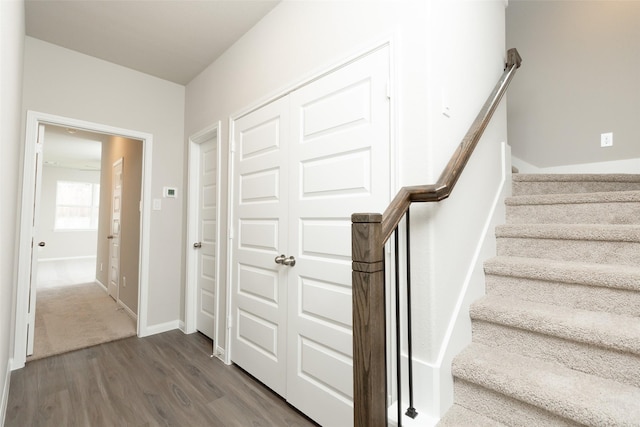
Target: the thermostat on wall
pixel 170 192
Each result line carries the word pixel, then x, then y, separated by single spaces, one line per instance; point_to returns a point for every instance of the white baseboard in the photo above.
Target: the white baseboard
pixel 126 308
pixel 614 166
pixel 99 283
pixel 458 333
pixel 162 327
pixel 220 354
pixel 5 392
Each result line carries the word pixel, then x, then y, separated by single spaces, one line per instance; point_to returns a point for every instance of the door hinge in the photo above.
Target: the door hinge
pixel 229 322
pixel 388 90
pixel 233 145
pixel 230 233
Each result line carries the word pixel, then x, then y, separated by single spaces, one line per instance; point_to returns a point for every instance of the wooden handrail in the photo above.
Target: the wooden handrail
pixel 370 232
pixel 449 176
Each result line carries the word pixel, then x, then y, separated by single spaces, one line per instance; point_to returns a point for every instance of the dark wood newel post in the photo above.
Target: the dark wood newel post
pixel 369 365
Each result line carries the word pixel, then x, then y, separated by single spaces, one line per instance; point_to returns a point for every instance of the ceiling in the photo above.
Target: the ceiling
pixel 72 149
pixel 174 40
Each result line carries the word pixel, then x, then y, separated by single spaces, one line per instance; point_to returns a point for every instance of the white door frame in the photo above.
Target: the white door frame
pixel 193 199
pixel 34 119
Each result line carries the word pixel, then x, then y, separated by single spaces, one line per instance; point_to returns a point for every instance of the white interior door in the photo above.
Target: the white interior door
pixel 340 165
pixel 35 242
pixel 260 206
pixel 206 245
pixel 114 236
pixel 335 151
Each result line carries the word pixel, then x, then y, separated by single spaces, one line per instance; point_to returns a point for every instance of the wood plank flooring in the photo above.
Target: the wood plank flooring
pixel 163 380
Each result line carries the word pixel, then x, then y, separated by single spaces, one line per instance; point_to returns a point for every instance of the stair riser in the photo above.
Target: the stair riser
pixel 504 409
pixel 583 213
pixel 585 297
pixel 554 187
pixel 590 359
pixel 600 252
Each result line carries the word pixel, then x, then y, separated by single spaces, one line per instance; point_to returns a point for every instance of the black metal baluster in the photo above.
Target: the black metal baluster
pixel 411 411
pixel 398 354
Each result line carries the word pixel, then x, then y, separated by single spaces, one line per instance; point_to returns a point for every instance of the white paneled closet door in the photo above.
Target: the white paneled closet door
pixel 260 218
pixel 337 162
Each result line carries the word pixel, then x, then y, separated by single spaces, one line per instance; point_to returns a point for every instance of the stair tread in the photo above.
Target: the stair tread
pixel 584 273
pixel 571 394
pixel 603 329
pixel 597 232
pixel 458 416
pixel 575 198
pixel 520 177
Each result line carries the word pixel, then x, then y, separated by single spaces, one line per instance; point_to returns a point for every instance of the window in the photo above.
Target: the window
pixel 77 205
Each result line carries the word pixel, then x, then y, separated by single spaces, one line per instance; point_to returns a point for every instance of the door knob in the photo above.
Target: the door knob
pixel 41 244
pixel 197 245
pixel 280 259
pixel 291 261
pixel 110 237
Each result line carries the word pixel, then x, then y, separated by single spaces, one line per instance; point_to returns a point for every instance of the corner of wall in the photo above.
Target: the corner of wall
pixel 4 399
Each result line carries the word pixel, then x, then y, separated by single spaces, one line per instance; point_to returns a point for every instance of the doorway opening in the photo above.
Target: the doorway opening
pixel 72 309
pixel 112 141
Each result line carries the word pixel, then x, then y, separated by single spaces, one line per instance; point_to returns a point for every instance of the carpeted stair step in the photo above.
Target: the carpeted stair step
pixel 527 184
pixel 617 207
pixel 459 416
pixel 612 244
pixel 600 344
pixel 504 409
pixel 587 286
pixel 606 330
pixel 620 366
pixel 552 388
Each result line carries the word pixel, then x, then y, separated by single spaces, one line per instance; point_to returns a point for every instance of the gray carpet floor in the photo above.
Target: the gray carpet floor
pixel 79 316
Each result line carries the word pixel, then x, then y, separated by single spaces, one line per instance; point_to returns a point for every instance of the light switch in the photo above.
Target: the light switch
pixel 157 204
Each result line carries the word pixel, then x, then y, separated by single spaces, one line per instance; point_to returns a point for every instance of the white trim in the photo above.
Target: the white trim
pixel 127 310
pixel 220 354
pixel 4 399
pixel 230 234
pixel 453 342
pixel 190 320
pixel 104 288
pixel 631 166
pixel 69 258
pixel 34 119
pixel 476 261
pixel 165 327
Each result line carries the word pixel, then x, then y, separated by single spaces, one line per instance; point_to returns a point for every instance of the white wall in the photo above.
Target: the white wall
pixel 60 243
pixel 12 30
pixel 468 51
pixel 579 80
pixel 66 83
pixel 452 50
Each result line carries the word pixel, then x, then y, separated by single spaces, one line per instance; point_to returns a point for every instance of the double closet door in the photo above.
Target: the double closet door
pixel 301 166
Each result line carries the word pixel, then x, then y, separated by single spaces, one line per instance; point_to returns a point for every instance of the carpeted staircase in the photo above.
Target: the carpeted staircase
pixel 556 340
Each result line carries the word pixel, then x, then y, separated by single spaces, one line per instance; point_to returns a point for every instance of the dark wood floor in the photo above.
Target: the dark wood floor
pixel 163 380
